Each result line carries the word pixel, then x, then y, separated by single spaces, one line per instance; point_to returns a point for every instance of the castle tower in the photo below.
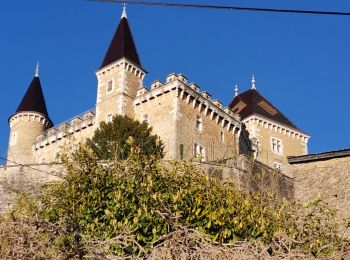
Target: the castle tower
pixel 120 75
pixel 274 137
pixel 29 121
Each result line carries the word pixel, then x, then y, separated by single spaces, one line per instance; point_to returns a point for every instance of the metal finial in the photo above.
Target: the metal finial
pixel 253 82
pixel 37 70
pixel 236 90
pixel 124 11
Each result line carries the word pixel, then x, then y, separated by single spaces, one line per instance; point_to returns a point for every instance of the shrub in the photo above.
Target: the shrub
pixel 110 139
pixel 101 201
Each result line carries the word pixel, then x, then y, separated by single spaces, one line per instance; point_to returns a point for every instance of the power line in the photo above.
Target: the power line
pixel 27 166
pixel 222 7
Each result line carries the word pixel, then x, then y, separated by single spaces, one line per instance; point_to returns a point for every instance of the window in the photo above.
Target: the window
pixel 277 166
pixel 13 139
pixel 109 86
pixel 199 151
pixel 199 124
pixel 145 118
pixel 222 136
pixel 109 118
pixel 276 146
pixel 181 151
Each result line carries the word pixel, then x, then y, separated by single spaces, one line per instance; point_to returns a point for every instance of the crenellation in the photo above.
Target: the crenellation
pixel 182 78
pixel 206 95
pixel 63 130
pixel 194 87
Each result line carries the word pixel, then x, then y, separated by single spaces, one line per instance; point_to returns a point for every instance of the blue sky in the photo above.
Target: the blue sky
pixel 301 62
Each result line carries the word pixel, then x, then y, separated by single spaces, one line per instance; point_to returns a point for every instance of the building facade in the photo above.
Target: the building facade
pixel 274 137
pixel 188 121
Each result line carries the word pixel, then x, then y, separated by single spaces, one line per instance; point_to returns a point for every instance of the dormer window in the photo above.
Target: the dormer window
pixel 199 123
pixel 109 86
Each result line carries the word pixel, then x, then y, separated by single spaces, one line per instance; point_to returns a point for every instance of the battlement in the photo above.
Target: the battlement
pixel 279 128
pixel 61 131
pixel 30 117
pixel 192 94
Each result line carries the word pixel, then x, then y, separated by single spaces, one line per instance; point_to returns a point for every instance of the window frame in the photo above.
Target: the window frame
pixel 222 136
pixel 109 118
pixel 199 123
pixel 145 118
pixel 199 151
pixel 112 86
pixel 278 166
pixel 276 145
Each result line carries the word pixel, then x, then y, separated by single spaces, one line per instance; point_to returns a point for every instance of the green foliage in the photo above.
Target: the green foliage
pixel 110 139
pixel 317 228
pixel 101 201
pixel 136 206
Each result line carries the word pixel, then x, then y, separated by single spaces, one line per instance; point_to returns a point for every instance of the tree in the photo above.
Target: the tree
pixel 111 139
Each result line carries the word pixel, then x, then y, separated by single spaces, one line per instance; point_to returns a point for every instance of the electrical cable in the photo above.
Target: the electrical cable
pixel 222 7
pixel 27 166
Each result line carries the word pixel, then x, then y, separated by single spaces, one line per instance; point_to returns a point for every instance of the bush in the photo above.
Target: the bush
pixel 110 139
pixel 141 207
pixel 101 201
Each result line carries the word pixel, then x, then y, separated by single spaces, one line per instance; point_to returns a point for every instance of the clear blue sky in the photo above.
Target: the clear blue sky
pixel 301 62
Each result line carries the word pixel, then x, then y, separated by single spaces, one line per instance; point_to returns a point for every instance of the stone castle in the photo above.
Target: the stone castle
pixel 189 122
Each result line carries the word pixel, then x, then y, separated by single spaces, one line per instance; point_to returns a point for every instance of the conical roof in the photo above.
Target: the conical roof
pixel 33 100
pixel 122 45
pixel 252 102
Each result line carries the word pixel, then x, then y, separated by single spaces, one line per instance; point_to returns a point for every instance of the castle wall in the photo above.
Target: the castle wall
pixel 160 113
pixel 209 135
pixel 50 152
pixel 327 179
pixel 31 179
pixel 292 143
pixel 15 179
pixel 63 138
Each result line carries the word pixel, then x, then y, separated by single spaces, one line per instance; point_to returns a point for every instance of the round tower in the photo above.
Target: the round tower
pixel 29 121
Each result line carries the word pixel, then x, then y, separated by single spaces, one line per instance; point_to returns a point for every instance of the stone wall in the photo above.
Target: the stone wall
pixel 14 179
pixel 48 149
pixel 328 179
pixel 293 143
pixel 160 113
pixel 30 179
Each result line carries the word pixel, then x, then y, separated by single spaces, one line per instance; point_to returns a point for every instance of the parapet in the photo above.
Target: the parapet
pixel 192 94
pixel 64 129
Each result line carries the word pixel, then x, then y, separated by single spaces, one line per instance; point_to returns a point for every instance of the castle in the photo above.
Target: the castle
pixel 188 121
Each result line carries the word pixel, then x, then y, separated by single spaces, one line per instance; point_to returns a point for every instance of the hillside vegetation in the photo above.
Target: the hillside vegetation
pixel 138 207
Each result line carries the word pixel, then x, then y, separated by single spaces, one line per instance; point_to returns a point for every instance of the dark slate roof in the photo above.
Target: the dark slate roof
pixel 319 156
pixel 252 102
pixel 122 46
pixel 33 100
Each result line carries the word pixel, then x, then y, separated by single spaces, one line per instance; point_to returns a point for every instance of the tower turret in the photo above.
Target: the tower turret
pixel 29 121
pixel 120 75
